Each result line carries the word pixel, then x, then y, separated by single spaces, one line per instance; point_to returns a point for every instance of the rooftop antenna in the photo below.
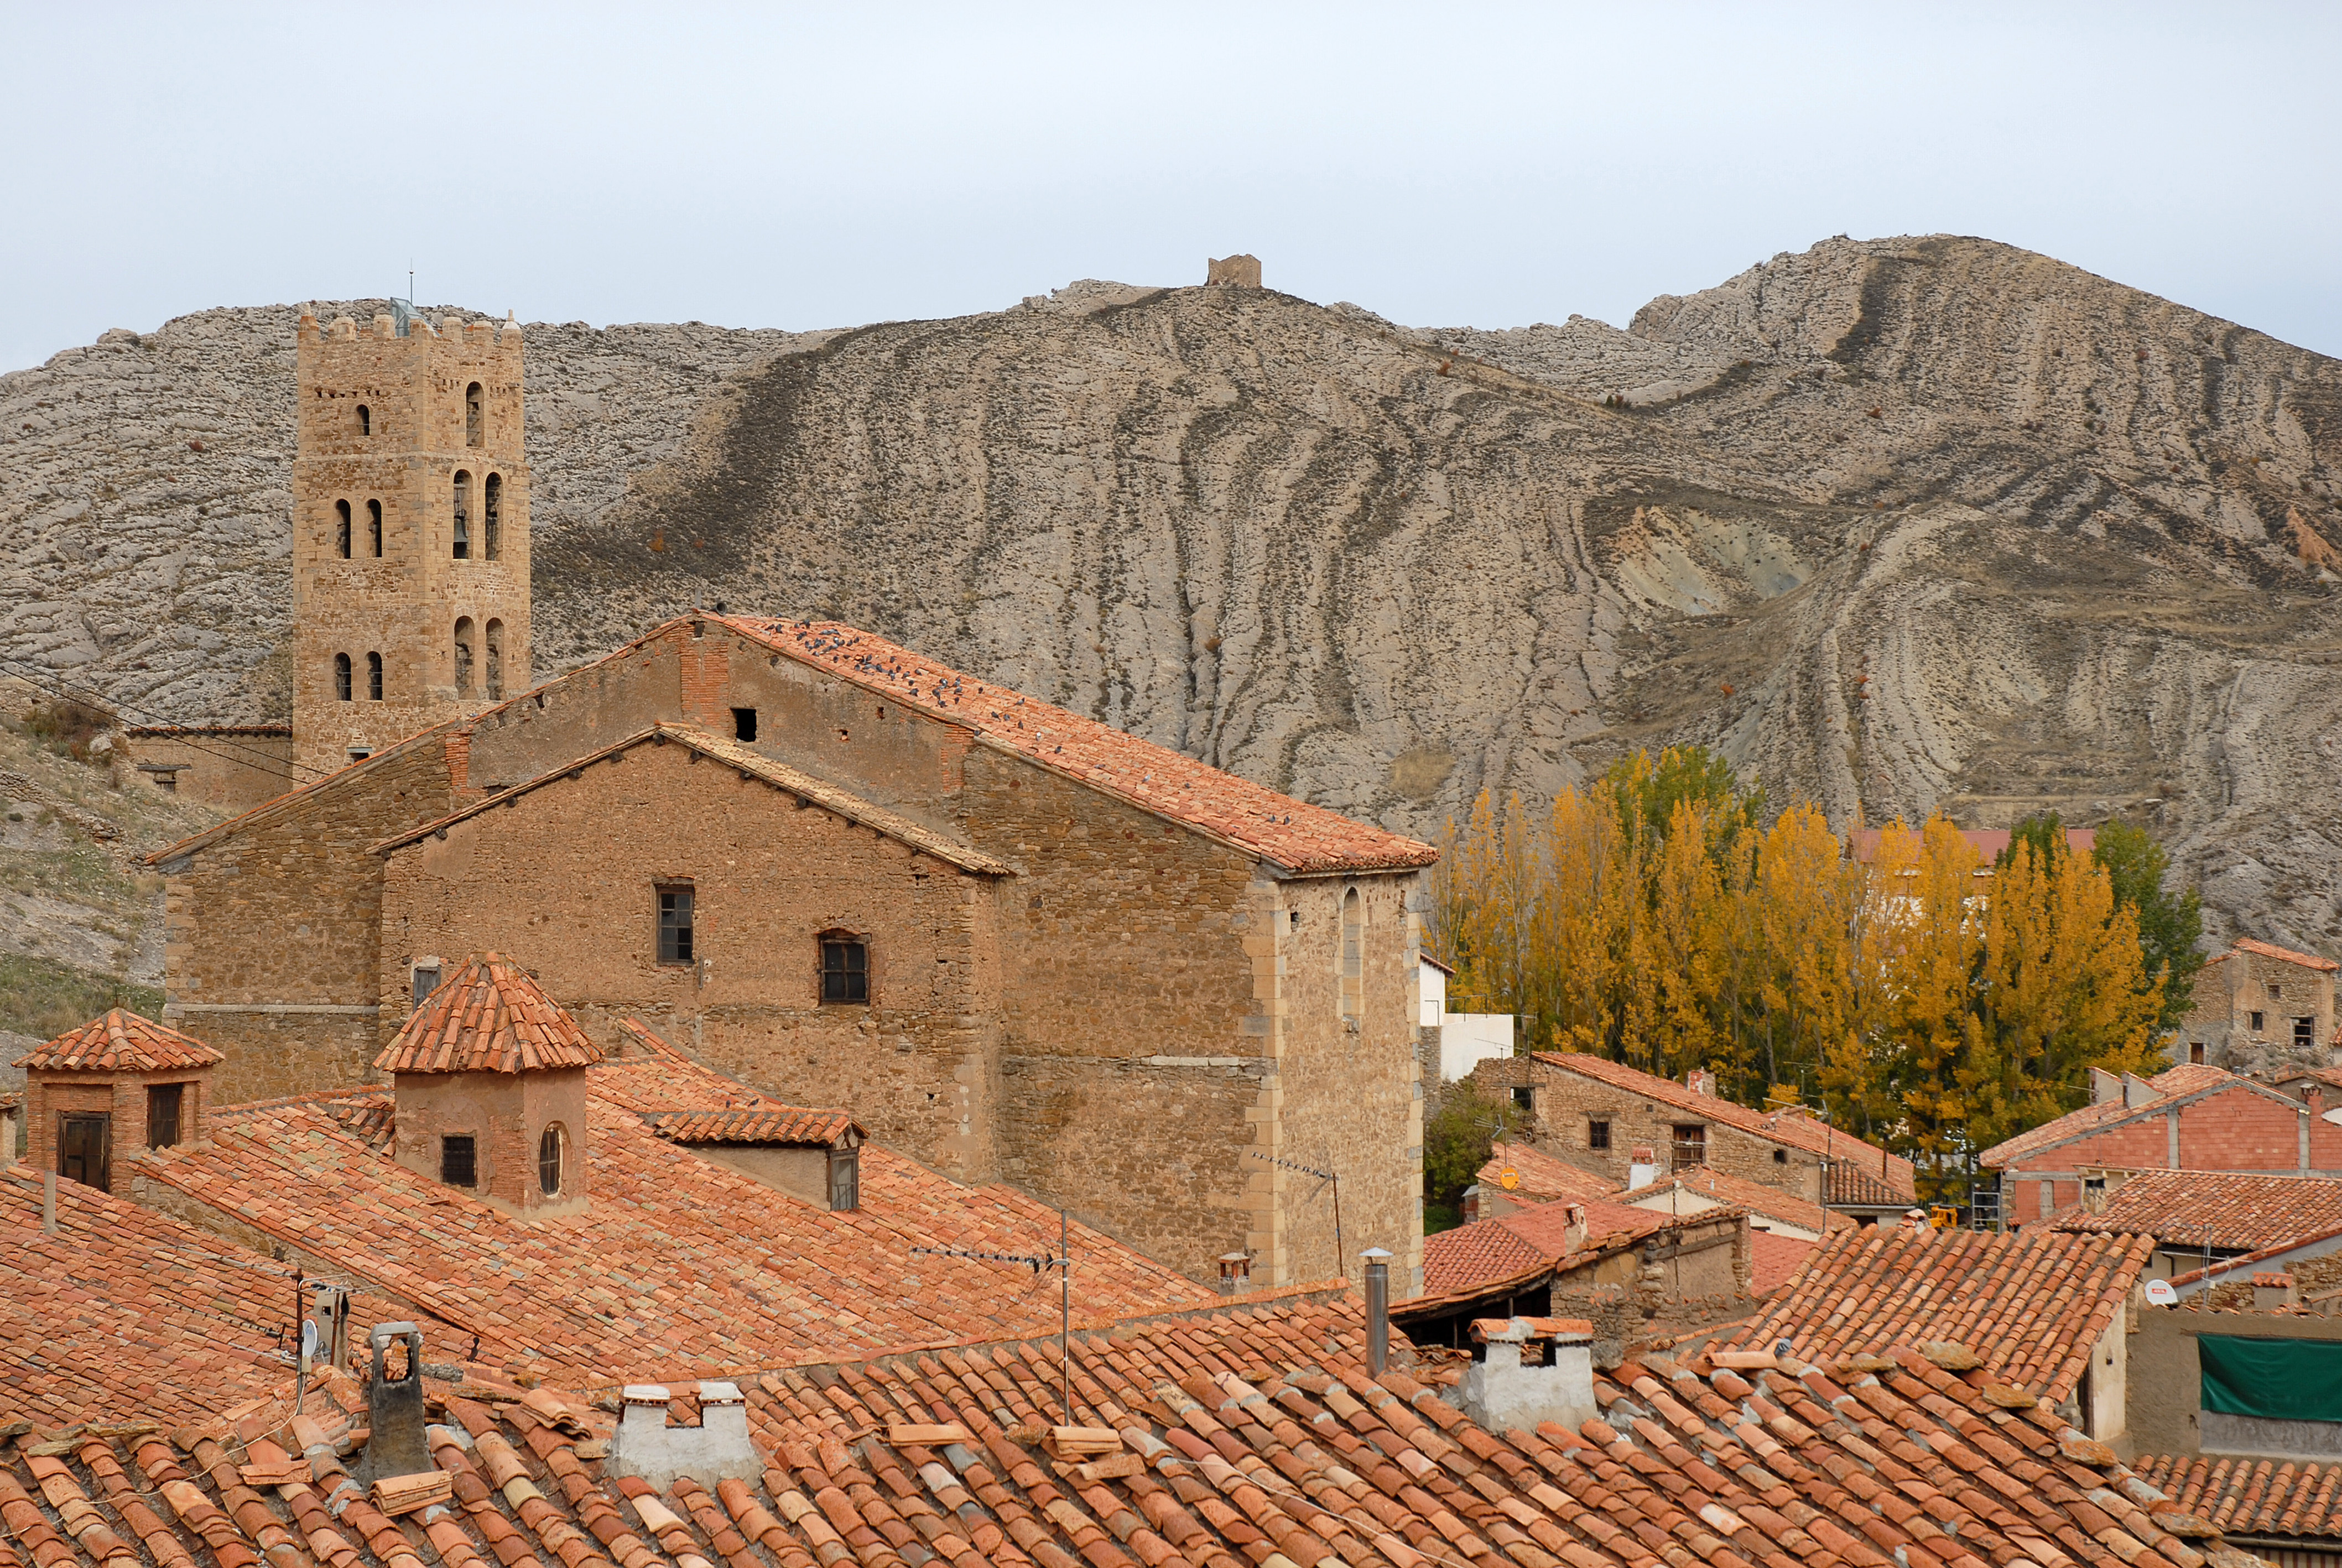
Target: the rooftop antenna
pixel 410 280
pixel 1323 1177
pixel 1064 1264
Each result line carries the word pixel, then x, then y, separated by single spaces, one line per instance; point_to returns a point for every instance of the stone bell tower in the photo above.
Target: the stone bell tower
pixel 410 529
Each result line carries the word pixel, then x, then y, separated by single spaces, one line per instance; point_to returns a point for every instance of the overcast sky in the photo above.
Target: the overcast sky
pixel 1442 165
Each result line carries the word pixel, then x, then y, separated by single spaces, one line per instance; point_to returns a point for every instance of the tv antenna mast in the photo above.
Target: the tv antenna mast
pixel 1064 1264
pixel 1323 1178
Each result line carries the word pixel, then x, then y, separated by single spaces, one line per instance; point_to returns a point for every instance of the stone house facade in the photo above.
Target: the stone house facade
pixel 1632 1128
pixel 1017 942
pixel 2259 1008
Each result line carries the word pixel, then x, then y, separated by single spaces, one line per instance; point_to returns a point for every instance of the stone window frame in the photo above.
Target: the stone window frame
pixel 343 528
pixel 843 939
pixel 342 687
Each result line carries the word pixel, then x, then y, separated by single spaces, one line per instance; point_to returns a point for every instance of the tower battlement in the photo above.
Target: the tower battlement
pixel 410 529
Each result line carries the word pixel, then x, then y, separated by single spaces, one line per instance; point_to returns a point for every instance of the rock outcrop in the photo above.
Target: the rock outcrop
pixel 1897 524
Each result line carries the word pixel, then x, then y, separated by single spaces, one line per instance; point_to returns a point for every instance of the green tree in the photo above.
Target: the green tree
pixel 2169 924
pixel 1456 1140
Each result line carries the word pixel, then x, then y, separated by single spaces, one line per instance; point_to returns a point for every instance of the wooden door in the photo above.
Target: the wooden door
pixel 85 1145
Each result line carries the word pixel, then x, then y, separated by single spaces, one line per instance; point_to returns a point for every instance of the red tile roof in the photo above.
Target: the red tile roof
pixel 777 1124
pixel 1294 835
pixel 1795 1127
pixel 120 1041
pixel 2285 955
pixel 1773 1261
pixel 2265 1497
pixel 1538 1176
pixel 489 1016
pixel 123 1303
pixel 1762 1202
pixel 1242 1437
pixel 2175 1083
pixel 1488 1251
pixel 2213 1208
pixel 681 1267
pixel 2030 1305
pixel 748 765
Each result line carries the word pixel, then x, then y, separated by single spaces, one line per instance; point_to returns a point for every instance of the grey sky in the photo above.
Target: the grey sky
pixel 1441 165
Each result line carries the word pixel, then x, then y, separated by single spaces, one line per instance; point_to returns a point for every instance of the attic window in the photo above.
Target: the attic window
pixel 426 981
pixel 845 969
pixel 163 1105
pixel 458 1161
pixel 845 1179
pixel 744 723
pixel 549 1150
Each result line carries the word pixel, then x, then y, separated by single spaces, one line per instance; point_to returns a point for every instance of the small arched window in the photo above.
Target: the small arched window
pixel 496 661
pixel 550 1149
pixel 365 421
pixel 374 522
pixel 342 529
pixel 341 676
pixel 373 677
pixel 472 416
pixel 463 655
pixel 1354 966
pixel 462 514
pixel 492 506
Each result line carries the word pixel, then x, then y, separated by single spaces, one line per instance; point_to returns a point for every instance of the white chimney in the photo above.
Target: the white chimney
pixel 1511 1386
pixel 718 1449
pixel 1643 1169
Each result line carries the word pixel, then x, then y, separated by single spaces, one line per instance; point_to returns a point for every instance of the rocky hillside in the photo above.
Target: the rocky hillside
pixel 1897 523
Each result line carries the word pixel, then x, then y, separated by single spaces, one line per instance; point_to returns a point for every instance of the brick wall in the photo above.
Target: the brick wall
pixel 2240 1127
pixel 271 934
pixel 120 1096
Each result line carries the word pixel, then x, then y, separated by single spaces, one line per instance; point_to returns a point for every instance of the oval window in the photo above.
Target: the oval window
pixel 548 1161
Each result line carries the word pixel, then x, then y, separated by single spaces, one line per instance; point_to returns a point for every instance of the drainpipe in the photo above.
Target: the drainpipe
pixel 49 1201
pixel 1377 1310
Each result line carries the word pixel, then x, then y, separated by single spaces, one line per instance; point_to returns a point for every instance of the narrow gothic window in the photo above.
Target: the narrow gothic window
pixel 548 1161
pixel 497 660
pixel 462 514
pixel 374 521
pixel 341 676
pixel 373 677
pixel 342 529
pixel 463 655
pixel 845 969
pixel 472 414
pixel 1353 957
pixel 365 421
pixel 492 498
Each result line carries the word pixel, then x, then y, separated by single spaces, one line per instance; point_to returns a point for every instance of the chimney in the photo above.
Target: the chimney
pixel 1377 1310
pixel 1643 1169
pixel 649 1446
pixel 1511 1386
pixel 2105 1087
pixel 2272 1289
pixel 1700 1081
pixel 49 1201
pixel 1235 1274
pixel 1573 1235
pixel 395 1406
pixel 1471 1203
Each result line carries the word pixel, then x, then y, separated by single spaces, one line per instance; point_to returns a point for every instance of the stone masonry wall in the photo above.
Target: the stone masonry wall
pixel 271 934
pixel 565 881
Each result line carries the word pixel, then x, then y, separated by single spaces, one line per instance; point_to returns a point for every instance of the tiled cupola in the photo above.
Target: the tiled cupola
pixel 489 1077
pixel 99 1096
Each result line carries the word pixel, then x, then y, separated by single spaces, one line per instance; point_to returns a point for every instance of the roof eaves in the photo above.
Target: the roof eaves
pixel 197 843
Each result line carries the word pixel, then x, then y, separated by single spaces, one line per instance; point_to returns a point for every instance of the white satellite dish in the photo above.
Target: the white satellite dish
pixel 2160 1293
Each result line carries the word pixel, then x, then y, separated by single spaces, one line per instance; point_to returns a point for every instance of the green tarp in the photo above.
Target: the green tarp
pixel 2277 1379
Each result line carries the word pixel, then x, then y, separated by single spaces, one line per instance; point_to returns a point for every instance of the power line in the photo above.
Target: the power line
pixel 40 676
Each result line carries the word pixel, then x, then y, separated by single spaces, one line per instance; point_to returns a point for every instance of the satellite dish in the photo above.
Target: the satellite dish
pixel 1510 1178
pixel 2160 1293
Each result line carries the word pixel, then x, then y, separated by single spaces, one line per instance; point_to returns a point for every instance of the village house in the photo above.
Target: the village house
pixel 1020 944
pixel 2186 1118
pixel 2260 1008
pixel 1632 1128
pixel 2203 1218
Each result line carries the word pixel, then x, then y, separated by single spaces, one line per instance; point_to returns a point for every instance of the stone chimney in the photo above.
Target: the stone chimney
pixel 1513 1385
pixel 489 1076
pixel 1573 1235
pixel 1700 1081
pixel 1235 1274
pixel 650 1445
pixel 102 1095
pixel 395 1445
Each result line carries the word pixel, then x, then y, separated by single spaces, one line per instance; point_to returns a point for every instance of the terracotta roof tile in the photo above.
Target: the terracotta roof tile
pixel 2265 1497
pixel 1773 1261
pixel 1488 1251
pixel 1292 834
pixel 776 1125
pixel 2285 955
pixel 1738 1191
pixel 1794 1128
pixel 2214 1208
pixel 120 1041
pixel 1239 1437
pixel 2030 1305
pixel 488 1016
pixel 1540 1177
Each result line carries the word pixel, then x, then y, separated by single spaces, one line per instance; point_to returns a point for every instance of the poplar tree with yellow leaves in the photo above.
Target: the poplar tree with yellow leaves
pixel 1927 1000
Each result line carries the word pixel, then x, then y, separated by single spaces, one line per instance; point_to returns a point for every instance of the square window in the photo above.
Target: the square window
pixel 1780 1156
pixel 2275 991
pixel 1524 1099
pixel 744 723
pixel 1690 1146
pixel 674 925
pixel 2253 1021
pixel 1597 1134
pixel 458 1160
pixel 845 970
